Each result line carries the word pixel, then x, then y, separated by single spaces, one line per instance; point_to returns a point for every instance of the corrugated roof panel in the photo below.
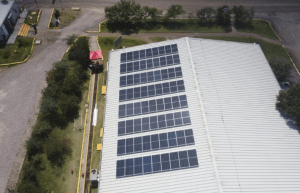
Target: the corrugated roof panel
pixel 242 141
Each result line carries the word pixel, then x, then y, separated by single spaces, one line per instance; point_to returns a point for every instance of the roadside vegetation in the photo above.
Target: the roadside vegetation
pixel 65 17
pixel 275 54
pixel 106 44
pixel 129 17
pixel 16 52
pixel 54 148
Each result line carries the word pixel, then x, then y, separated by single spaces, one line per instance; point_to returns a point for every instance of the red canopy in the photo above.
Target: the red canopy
pixel 94 55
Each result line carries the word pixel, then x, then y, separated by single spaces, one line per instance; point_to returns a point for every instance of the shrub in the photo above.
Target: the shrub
pixel 281 69
pixel 6 54
pixel 71 39
pixel 80 52
pixel 288 102
pixel 56 14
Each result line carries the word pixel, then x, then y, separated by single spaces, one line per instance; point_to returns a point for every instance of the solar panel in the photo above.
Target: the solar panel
pixel 152 76
pixel 149 53
pixel 157 123
pixel 149 63
pixel 156 142
pixel 156 163
pixel 152 106
pixel 151 90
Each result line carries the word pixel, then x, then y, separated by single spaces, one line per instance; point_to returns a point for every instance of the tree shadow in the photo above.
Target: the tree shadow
pixel 173 25
pixel 126 28
pixel 290 122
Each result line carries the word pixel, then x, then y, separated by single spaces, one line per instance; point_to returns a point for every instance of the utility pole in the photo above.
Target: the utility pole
pixel 37 4
pixel 62 12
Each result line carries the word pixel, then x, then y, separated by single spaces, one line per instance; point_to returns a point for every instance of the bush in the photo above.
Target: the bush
pixel 288 102
pixel 71 39
pixel 80 52
pixel 57 148
pixel 56 14
pixel 6 54
pixel 281 69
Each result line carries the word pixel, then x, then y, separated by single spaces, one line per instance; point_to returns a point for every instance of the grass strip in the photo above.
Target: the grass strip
pixel 260 27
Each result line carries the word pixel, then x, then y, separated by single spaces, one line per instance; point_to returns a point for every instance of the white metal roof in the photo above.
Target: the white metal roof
pixel 243 143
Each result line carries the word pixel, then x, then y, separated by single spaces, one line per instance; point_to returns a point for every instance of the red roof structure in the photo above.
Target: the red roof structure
pixel 94 55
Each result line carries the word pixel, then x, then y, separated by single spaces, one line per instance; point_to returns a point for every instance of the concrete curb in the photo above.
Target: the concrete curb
pixel 50 18
pixel 8 64
pixel 99 28
pixel 38 18
pixel 291 60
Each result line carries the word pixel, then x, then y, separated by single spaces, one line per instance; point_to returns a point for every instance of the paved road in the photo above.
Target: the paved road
pixel 20 88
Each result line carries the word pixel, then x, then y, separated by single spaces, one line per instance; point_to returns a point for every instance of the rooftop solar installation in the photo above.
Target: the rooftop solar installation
pixel 149 63
pixel 153 123
pixel 151 90
pixel 153 106
pixel 151 76
pixel 148 53
pixel 241 143
pixel 156 163
pixel 155 142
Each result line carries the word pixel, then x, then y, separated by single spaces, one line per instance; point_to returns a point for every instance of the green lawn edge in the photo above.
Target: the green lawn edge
pixel 261 27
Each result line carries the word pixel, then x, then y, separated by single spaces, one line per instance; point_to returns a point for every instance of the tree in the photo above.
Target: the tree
pixel 80 52
pixel 57 148
pixel 174 11
pixel 289 102
pixel 152 12
pixel 281 69
pixel 242 17
pixel 223 17
pixel 206 15
pixel 124 12
pixel 56 14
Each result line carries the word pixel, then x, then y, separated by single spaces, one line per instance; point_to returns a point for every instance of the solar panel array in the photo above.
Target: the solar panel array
pixel 157 163
pixel 151 90
pixel 154 123
pixel 149 63
pixel 153 106
pixel 152 76
pixel 149 53
pixel 155 142
pixel 146 60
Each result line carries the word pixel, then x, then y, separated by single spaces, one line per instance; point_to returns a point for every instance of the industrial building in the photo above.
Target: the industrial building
pixel 195 115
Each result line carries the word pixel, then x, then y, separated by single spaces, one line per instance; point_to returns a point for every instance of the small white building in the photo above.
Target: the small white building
pixel 9 12
pixel 196 115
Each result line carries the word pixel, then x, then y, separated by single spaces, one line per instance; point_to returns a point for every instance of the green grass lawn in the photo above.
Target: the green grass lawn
pixel 158 39
pixel 66 17
pixel 16 52
pixel 174 25
pixel 31 17
pixel 106 45
pixel 262 28
pixel 271 51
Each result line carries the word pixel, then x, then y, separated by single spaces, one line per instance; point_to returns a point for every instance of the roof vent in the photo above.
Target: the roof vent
pixel 4 2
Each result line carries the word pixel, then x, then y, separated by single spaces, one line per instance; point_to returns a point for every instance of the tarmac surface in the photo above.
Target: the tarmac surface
pixel 21 85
